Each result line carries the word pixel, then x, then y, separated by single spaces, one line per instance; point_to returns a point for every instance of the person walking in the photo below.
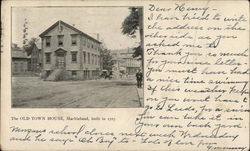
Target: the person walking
pixel 139 79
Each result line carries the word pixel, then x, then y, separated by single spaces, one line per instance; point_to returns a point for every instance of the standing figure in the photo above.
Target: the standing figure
pixel 139 78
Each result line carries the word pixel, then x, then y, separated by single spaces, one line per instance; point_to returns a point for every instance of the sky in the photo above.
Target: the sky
pixel 106 21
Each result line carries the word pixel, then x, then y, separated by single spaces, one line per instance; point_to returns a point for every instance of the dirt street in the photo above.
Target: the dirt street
pixel 32 92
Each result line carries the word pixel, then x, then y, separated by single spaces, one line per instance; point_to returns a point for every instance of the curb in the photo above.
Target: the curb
pixel 140 98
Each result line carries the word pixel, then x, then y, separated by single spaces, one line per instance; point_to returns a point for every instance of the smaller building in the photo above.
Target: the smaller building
pixel 19 60
pixel 124 62
pixel 36 58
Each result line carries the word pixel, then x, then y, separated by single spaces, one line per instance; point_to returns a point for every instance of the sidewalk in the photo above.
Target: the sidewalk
pixel 140 95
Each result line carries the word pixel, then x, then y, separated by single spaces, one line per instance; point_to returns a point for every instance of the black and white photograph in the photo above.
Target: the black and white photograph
pixel 126 75
pixel 77 57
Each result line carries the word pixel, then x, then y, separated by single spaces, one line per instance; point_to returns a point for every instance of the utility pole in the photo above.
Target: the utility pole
pixel 140 12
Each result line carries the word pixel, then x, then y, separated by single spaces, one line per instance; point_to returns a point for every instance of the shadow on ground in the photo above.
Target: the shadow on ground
pixel 125 83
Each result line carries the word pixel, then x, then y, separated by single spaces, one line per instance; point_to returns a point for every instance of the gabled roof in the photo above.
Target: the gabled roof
pixel 60 49
pixel 69 26
pixel 19 54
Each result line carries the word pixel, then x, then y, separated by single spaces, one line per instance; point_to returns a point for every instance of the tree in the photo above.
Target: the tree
pixel 137 52
pixel 106 59
pixel 30 45
pixel 131 24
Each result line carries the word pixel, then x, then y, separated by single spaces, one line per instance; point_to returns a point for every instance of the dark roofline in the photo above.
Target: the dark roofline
pixel 20 58
pixel 69 26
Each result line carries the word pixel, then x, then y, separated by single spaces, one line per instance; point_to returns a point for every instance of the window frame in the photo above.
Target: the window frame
pixel 74 59
pixel 88 43
pixel 74 39
pixel 97 59
pixel 58 40
pixel 15 67
pixel 84 57
pixel 47 57
pixel 47 41
pixel 73 73
pixel 88 58
pixel 84 41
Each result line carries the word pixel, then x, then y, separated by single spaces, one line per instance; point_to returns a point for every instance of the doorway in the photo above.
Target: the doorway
pixel 60 58
pixel 60 62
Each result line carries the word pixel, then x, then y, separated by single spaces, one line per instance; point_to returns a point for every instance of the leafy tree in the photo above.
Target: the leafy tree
pixel 131 24
pixel 30 45
pixel 106 59
pixel 137 52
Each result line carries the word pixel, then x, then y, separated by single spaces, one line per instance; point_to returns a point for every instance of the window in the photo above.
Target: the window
pixel 74 39
pixel 88 58
pixel 21 67
pixel 47 41
pixel 85 74
pixel 84 41
pixel 93 58
pixel 74 57
pixel 60 40
pixel 96 59
pixel 74 73
pixel 84 57
pixel 47 57
pixel 15 67
pixel 88 44
pixel 92 46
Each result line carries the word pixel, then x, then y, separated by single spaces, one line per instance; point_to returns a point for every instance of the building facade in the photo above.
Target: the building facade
pixel 70 53
pixel 123 62
pixel 19 60
pixel 36 58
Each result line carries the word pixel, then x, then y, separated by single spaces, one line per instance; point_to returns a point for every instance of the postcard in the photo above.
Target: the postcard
pixel 125 75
